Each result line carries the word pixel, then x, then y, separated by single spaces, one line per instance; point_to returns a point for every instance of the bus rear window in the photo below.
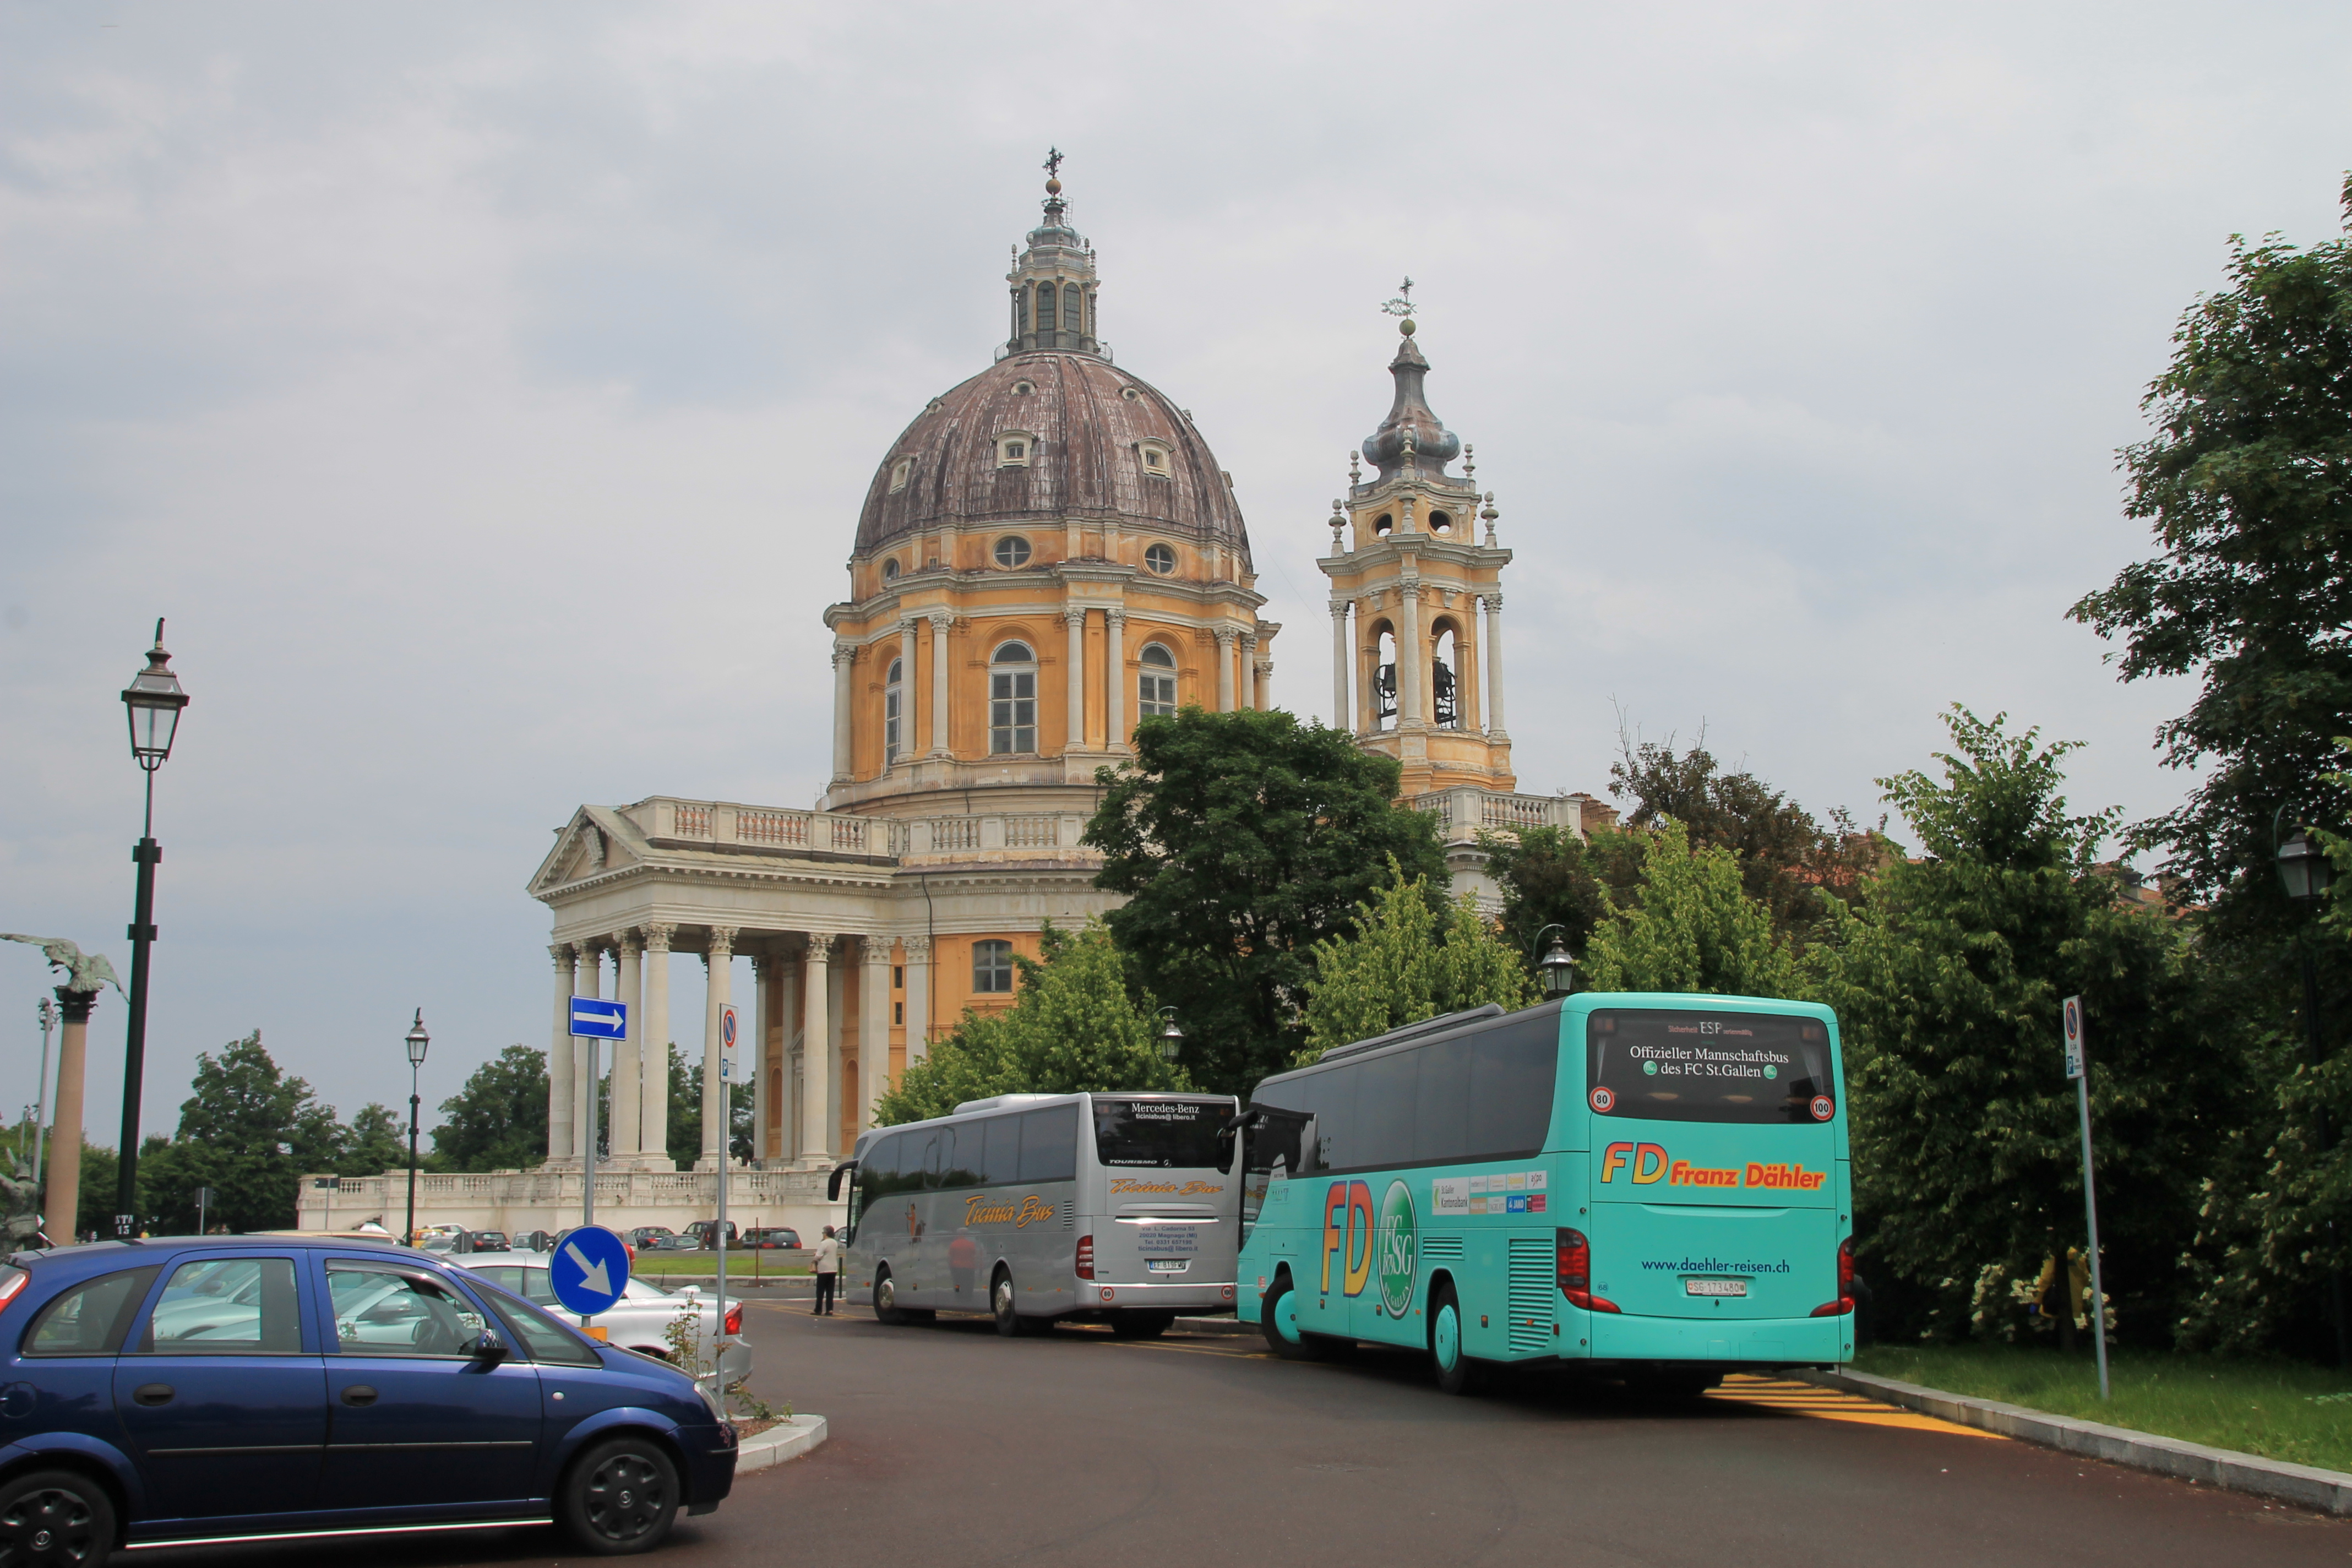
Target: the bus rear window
pixel 1678 1065
pixel 1161 1135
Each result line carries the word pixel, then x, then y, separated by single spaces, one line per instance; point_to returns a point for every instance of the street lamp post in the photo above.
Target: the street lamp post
pixel 154 699
pixel 2304 869
pixel 417 1040
pixel 1171 1038
pixel 1558 970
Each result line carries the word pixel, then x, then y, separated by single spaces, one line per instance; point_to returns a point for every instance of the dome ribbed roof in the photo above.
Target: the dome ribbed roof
pixel 1089 422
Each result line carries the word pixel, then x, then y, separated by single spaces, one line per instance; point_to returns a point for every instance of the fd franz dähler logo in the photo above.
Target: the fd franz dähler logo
pixel 1400 1249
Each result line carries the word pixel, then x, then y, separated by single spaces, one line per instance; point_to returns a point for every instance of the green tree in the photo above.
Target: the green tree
pixel 686 1112
pixel 249 1131
pixel 498 1119
pixel 1239 841
pixel 376 1142
pixel 1073 1026
pixel 1692 927
pixel 1410 957
pixel 1550 877
pixel 1949 981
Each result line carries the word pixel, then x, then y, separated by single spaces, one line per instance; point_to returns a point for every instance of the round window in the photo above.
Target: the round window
pixel 1160 559
pixel 1012 551
pixel 1131 395
pixel 1441 522
pixel 891 570
pixel 1022 388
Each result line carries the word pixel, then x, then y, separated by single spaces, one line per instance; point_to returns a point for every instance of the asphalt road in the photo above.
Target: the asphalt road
pixel 950 1445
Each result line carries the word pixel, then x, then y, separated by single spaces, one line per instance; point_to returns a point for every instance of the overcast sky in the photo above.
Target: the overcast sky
pixel 487 394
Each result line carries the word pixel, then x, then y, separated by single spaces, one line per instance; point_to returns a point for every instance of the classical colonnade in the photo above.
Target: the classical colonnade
pixel 1415 704
pixel 806 1102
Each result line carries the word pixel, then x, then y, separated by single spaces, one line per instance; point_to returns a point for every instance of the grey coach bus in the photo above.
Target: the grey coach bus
pixel 1036 1207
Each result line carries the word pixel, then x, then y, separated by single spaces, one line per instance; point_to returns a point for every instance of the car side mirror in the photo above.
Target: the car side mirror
pixel 487 1347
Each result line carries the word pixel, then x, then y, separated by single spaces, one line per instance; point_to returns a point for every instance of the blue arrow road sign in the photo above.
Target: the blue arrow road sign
pixel 597 1019
pixel 588 1270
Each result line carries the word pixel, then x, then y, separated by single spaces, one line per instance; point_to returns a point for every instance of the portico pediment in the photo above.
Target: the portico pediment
pixel 595 841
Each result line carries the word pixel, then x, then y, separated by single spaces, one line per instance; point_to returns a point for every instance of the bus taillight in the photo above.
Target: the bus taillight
pixel 1085 1257
pixel 1844 1303
pixel 1573 1258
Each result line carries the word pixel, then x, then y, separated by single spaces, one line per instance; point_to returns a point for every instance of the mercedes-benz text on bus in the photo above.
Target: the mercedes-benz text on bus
pixel 1036 1207
pixel 1650 1186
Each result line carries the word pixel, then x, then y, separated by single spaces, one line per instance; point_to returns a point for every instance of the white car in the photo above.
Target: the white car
pixel 639 1321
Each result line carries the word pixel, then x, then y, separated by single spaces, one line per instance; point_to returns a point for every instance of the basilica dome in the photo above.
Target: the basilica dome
pixel 1043 436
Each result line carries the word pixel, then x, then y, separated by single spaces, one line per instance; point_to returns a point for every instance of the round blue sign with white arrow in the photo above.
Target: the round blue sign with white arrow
pixel 590 1269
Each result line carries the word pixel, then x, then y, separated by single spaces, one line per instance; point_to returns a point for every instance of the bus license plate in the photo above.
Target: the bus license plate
pixel 1165 1265
pixel 1715 1286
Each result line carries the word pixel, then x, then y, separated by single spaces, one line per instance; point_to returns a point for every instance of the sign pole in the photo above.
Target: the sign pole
pixel 593 1018
pixel 2078 1069
pixel 588 1143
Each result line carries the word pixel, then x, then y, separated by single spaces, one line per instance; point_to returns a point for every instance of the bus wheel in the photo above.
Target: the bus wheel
pixel 1279 1321
pixel 1001 1302
pixel 1141 1325
pixel 886 1299
pixel 1455 1373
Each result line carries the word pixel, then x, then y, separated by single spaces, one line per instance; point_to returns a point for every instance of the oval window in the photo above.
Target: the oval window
pixel 1012 551
pixel 1022 388
pixel 1131 395
pixel 1160 559
pixel 1383 523
pixel 1441 522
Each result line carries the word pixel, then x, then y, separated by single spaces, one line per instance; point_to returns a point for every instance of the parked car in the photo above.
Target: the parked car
pixel 534 1241
pixel 487 1241
pixel 705 1230
pixel 647 1236
pixel 220 1387
pixel 639 1321
pixel 772 1238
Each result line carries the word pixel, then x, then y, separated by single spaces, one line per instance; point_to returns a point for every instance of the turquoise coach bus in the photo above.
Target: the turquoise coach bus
pixel 1652 1186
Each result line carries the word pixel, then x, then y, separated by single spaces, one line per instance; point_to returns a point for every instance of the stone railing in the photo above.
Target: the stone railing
pixel 536 1200
pixel 724 823
pixel 1463 813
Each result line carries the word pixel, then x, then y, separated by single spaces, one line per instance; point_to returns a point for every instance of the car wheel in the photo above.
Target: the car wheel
pixel 886 1299
pixel 1279 1321
pixel 1133 1325
pixel 1457 1374
pixel 56 1516
pixel 619 1497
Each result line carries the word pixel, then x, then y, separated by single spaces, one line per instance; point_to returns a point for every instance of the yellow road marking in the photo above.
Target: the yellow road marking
pixel 1830 1405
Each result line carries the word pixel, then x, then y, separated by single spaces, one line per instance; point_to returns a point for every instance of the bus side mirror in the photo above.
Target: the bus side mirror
pixel 832 1183
pixel 1229 1138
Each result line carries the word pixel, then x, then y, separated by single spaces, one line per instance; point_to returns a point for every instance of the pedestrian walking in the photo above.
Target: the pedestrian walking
pixel 828 1264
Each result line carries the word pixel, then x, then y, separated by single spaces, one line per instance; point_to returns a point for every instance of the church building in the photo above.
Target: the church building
pixel 1047 554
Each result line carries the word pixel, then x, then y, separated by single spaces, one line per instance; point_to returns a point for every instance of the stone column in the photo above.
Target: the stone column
pixel 751 1048
pixel 1368 674
pixel 845 674
pixel 1340 715
pixel 62 1196
pixel 1115 688
pixel 873 1029
pixel 907 688
pixel 1247 695
pixel 653 1051
pixel 1495 665
pixel 628 1078
pixel 940 621
pixel 816 1056
pixel 838 1044
pixel 587 980
pixel 1263 670
pixel 918 997
pixel 1225 669
pixel 784 1109
pixel 1469 680
pixel 1411 658
pixel 558 1059
pixel 720 965
pixel 1073 616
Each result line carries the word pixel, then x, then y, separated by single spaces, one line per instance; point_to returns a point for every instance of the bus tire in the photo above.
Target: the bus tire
pixel 1277 1320
pixel 1457 1374
pixel 1136 1325
pixel 886 1299
pixel 1003 1305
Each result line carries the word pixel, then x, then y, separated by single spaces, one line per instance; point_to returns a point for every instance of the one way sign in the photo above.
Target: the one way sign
pixel 594 1018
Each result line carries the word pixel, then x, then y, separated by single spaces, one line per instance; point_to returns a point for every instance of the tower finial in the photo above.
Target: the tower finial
pixel 1053 171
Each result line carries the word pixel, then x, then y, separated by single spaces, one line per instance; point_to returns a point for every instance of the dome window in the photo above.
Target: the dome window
pixel 891 570
pixel 1131 395
pixel 900 472
pixel 1384 525
pixel 1012 551
pixel 1155 688
pixel 1160 559
pixel 1024 388
pixel 1015 449
pixel 1441 522
pixel 1155 460
pixel 1011 701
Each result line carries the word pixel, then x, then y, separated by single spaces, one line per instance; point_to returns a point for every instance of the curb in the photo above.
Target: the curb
pixel 788 1439
pixel 2327 1491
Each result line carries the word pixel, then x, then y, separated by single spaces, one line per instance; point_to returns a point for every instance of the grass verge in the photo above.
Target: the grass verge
pixel 2274 1408
pixel 740 1266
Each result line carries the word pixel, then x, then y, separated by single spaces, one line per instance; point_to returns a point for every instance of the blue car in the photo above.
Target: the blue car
pixel 227 1388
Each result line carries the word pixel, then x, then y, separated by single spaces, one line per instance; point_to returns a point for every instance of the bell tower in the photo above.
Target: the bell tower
pixel 1417 599
pixel 1054 281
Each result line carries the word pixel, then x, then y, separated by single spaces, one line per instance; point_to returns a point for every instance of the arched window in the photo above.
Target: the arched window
pixel 1384 680
pixel 1044 310
pixel 1383 524
pixel 1011 701
pixel 1155 689
pixel 1160 559
pixel 991 968
pixel 1441 522
pixel 892 690
pixel 1074 307
pixel 891 570
pixel 1444 687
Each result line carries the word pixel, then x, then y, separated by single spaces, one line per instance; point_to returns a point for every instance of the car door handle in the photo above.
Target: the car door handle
pixel 152 1394
pixel 359 1393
